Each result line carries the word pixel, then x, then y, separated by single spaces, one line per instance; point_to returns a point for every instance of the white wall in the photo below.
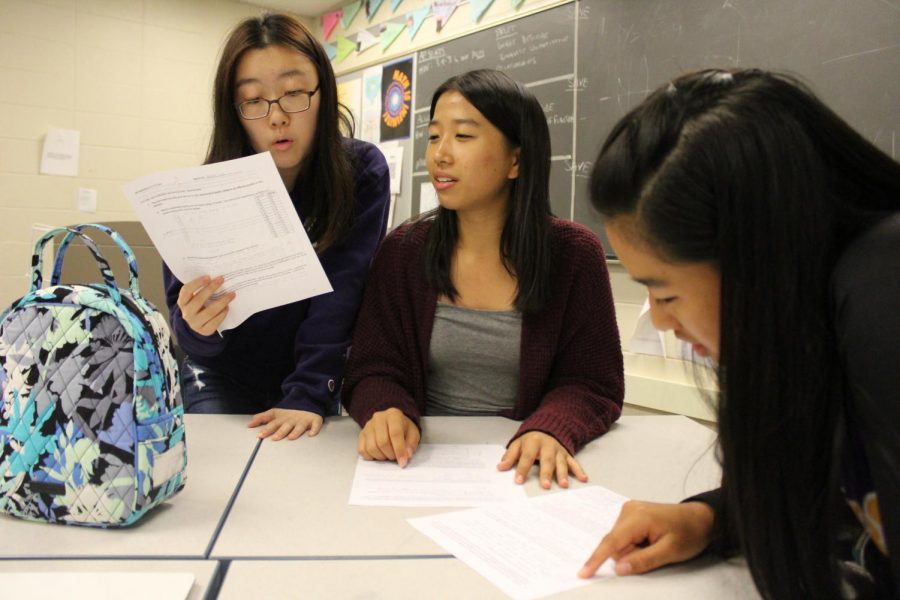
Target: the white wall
pixel 133 76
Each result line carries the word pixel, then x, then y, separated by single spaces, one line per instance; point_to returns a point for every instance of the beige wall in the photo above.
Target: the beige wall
pixel 133 76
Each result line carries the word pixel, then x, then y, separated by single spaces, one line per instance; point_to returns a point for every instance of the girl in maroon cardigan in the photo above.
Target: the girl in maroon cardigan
pixel 488 289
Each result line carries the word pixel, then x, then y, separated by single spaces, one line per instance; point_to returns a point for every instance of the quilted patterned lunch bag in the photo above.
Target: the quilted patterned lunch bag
pixel 91 421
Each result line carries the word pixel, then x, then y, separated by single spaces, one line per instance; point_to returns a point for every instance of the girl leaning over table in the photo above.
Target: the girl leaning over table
pixel 275 92
pixel 488 305
pixel 768 234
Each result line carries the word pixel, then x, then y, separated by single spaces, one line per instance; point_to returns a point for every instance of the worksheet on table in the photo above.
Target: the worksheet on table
pixel 530 548
pixel 437 475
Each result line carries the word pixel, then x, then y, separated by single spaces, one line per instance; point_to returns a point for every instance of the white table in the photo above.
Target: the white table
pixel 219 448
pixel 293 503
pixel 291 516
pixel 450 579
pixel 202 570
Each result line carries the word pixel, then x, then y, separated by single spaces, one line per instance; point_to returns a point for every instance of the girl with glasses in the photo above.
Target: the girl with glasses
pixel 275 92
pixel 489 304
pixel 767 232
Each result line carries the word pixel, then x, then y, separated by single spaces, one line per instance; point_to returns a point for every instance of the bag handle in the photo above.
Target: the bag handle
pixel 37 260
pixel 120 242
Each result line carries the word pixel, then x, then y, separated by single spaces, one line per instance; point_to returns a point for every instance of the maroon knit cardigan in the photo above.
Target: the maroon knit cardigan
pixel 571 377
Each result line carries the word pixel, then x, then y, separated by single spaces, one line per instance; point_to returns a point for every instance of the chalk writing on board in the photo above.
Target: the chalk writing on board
pixel 421 126
pixel 556 119
pixel 420 137
pixel 530 38
pixel 449 59
pixel 517 64
pixel 427 58
pixel 431 54
pixel 511 46
pixel 560 119
pixel 505 31
pixel 577 84
pixel 545 42
pixel 582 168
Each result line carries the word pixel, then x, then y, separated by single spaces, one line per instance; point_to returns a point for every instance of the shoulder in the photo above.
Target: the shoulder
pixel 405 242
pixel 873 259
pixel 575 241
pixel 367 159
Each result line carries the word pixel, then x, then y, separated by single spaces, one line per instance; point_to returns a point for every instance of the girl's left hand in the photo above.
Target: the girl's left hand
pixel 536 445
pixel 286 422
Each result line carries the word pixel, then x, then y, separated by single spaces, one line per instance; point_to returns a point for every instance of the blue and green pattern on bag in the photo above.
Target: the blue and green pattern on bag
pixel 91 421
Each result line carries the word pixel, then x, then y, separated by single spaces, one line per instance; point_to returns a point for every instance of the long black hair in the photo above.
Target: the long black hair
pixel 525 241
pixel 326 178
pixel 747 171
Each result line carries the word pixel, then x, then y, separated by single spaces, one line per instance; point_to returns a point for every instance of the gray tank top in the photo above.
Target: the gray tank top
pixel 473 362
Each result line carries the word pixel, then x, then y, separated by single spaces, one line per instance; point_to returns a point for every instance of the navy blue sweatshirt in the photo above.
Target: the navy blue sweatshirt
pixel 299 348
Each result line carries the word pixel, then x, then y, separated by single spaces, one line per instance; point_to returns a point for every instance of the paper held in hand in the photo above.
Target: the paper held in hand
pixel 234 219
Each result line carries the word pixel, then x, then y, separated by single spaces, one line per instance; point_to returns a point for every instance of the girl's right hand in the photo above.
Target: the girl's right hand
pixel 389 435
pixel 203 316
pixel 647 536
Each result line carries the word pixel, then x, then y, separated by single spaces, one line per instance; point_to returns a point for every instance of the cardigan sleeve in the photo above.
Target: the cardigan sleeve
pixel 324 335
pixel 379 367
pixel 586 387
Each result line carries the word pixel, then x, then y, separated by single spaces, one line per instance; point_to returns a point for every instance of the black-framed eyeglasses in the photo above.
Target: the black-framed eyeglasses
pixel 292 102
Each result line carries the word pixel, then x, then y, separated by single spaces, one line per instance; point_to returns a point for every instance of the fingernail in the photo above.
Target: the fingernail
pixel 564 483
pixel 584 572
pixel 401 461
pixel 545 483
pixel 520 479
pixel 623 568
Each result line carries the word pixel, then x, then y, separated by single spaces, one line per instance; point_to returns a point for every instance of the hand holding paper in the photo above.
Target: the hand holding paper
pixel 201 312
pixel 232 219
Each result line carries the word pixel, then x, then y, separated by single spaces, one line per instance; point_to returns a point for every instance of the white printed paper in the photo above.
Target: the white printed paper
pixel 60 153
pixel 235 219
pixel 647 339
pixel 428 199
pixel 530 548
pixel 96 585
pixel 437 475
pixel 393 155
pixel 87 200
